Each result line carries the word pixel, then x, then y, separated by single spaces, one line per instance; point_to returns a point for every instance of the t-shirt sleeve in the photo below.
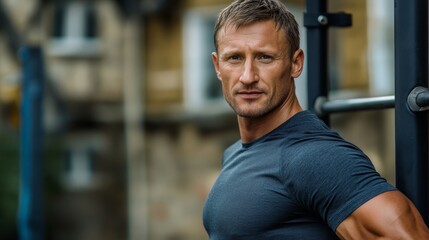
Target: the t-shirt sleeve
pixel 333 180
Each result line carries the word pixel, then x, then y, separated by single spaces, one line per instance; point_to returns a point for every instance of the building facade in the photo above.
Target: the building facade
pixel 134 100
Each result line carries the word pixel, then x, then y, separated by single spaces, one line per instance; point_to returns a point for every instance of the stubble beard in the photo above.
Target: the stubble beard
pixel 254 112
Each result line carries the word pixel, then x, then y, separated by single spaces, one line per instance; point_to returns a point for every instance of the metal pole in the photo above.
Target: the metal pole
pixel 137 185
pixel 317 57
pixel 30 216
pixel 323 106
pixel 411 70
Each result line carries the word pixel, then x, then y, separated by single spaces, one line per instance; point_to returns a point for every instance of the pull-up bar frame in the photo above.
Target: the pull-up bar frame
pixel 411 94
pixel 411 128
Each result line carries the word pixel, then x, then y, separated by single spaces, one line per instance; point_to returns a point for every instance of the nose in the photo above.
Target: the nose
pixel 249 74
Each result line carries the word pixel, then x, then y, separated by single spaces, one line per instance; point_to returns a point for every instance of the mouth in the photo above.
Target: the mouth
pixel 249 95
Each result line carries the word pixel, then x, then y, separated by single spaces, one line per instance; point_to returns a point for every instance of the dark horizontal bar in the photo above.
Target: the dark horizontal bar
pixel 324 106
pixel 320 19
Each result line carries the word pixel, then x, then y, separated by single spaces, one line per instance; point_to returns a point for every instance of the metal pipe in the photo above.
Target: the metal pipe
pixel 324 106
pixel 30 212
pixel 317 60
pixel 411 128
pixel 137 173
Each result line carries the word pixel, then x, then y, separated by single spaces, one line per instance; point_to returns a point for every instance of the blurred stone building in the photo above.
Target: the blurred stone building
pixel 133 99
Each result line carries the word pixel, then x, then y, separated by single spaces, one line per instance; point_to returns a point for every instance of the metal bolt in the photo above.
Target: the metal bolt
pixel 323 20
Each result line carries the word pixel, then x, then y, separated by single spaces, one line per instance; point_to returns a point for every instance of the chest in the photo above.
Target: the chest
pixel 249 197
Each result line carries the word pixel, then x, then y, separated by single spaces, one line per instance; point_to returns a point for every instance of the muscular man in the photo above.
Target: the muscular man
pixel 289 176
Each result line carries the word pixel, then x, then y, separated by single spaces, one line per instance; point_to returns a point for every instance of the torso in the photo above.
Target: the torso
pixel 255 197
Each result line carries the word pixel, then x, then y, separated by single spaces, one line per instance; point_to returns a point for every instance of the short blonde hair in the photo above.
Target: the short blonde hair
pixel 244 12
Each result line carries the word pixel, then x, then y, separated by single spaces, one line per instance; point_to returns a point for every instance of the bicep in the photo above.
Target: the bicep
pixel 389 215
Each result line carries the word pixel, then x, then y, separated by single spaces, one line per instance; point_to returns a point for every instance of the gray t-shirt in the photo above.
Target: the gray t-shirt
pixel 299 181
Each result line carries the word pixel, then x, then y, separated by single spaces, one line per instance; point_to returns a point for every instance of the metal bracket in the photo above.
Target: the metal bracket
pixel 340 19
pixel 418 99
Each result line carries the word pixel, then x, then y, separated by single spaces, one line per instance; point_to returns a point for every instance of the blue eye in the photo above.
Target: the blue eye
pixel 266 57
pixel 235 57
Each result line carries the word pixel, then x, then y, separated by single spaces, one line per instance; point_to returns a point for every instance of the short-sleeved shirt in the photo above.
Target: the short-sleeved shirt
pixel 299 181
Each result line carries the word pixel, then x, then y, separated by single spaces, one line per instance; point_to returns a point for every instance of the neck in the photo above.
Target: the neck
pixel 254 128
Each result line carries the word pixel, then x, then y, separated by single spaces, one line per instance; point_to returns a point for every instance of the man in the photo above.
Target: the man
pixel 289 177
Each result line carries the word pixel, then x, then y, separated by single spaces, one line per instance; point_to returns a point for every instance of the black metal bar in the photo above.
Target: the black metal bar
pixel 411 70
pixel 340 19
pixel 317 60
pixel 324 106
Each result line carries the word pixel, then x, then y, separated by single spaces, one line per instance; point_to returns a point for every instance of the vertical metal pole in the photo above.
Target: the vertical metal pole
pixel 30 216
pixel 137 184
pixel 411 70
pixel 317 57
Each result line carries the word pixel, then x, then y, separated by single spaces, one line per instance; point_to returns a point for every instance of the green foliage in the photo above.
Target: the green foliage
pixel 10 176
pixel 9 181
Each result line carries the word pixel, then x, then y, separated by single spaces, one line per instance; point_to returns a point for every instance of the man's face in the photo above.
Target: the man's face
pixel 253 63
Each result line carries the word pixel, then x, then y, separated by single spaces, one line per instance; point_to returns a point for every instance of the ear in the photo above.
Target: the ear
pixel 297 63
pixel 215 61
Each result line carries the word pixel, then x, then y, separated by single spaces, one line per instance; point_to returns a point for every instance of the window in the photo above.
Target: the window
pixel 202 89
pixel 79 168
pixel 74 30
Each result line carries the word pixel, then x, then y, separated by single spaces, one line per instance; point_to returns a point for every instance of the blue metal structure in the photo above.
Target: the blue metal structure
pixel 30 215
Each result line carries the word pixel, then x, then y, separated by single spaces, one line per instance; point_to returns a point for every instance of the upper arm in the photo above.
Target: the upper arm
pixel 389 215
